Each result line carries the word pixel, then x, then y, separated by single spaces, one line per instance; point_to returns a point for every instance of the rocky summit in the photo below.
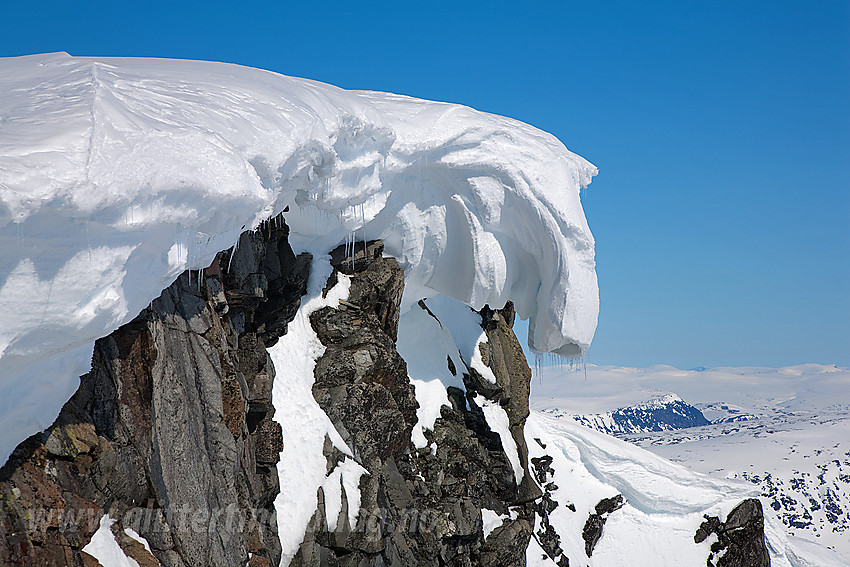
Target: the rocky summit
pixel 172 437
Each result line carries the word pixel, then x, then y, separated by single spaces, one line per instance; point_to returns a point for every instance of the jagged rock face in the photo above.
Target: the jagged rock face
pixel 361 381
pixel 503 355
pixel 548 538
pixel 418 507
pixel 740 539
pixel 171 432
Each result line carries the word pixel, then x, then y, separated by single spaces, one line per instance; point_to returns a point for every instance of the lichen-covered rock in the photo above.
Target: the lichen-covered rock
pixel 361 381
pixel 171 431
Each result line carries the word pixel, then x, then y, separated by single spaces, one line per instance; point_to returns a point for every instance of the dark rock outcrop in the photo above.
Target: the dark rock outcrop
pixel 418 507
pixel 596 521
pixel 503 355
pixel 740 539
pixel 171 433
pixel 361 381
pixel 547 537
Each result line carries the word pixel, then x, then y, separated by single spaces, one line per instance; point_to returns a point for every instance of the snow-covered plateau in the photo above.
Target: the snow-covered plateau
pixel 785 430
pixel 292 287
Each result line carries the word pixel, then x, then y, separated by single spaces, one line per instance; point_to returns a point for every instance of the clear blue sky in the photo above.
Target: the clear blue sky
pixel 721 131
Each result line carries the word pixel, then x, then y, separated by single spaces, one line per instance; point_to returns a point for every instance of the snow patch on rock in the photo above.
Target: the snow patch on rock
pixel 106 550
pixel 498 421
pixel 302 465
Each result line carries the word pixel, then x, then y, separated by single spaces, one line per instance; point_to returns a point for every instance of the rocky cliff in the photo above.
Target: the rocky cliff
pixel 172 434
pixel 418 507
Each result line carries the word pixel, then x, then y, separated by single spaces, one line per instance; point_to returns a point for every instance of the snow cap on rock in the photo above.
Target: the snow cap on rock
pixel 118 174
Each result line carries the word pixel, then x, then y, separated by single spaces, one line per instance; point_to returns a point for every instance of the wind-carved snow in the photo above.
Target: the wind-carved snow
pixel 782 430
pixel 664 503
pixel 118 174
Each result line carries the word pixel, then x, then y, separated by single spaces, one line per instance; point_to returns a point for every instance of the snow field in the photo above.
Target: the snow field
pixel 791 448
pixel 664 503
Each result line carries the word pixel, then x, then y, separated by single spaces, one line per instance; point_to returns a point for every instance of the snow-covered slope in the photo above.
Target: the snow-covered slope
pixel 118 174
pixel 664 503
pixel 784 430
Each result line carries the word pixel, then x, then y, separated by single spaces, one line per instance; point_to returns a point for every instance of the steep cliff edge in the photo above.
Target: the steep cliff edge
pixel 171 433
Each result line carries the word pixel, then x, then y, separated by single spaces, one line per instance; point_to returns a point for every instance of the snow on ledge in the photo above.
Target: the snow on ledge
pixel 118 174
pixel 106 550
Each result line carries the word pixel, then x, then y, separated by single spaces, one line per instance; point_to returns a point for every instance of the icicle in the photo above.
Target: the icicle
pixel 88 239
pixel 233 252
pixel 537 358
pixel 351 249
pixel 363 225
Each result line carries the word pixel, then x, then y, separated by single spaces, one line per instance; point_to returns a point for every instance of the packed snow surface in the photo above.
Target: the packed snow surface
pixel 118 174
